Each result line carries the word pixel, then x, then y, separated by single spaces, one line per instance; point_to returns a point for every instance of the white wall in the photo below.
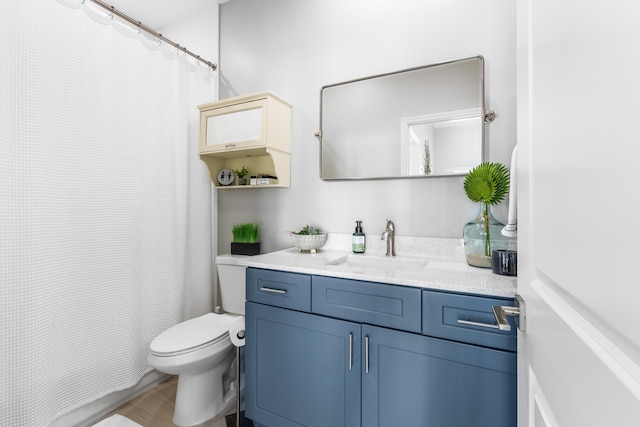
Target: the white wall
pixel 294 47
pixel 199 33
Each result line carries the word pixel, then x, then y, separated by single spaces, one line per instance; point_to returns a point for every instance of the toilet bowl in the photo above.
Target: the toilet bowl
pixel 200 352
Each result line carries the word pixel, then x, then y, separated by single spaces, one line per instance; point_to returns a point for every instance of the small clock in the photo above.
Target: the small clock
pixel 226 177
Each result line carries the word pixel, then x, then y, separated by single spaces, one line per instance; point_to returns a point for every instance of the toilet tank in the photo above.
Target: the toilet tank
pixel 232 282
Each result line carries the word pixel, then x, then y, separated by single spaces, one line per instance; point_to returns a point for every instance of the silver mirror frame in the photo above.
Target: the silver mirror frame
pixel 487 116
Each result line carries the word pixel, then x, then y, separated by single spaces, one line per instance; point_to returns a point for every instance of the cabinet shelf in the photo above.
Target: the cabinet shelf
pixel 265 161
pixel 252 131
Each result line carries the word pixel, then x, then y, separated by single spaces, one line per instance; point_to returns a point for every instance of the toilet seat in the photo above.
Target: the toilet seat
pixel 191 335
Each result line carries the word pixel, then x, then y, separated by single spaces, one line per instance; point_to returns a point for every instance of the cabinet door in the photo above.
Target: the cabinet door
pixel 298 369
pixel 233 127
pixel 413 380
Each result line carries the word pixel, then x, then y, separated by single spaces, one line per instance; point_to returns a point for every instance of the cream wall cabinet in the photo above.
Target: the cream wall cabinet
pixel 252 131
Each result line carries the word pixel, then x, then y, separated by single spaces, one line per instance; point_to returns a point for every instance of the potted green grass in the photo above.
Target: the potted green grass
pixel 246 239
pixel 486 184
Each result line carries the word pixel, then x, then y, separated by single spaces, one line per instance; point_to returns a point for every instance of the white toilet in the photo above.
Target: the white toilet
pixel 200 352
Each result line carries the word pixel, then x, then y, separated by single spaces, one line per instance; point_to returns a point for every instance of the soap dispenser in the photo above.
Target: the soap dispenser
pixel 358 241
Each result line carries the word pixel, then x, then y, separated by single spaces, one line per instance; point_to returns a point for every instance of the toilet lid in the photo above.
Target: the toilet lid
pixel 192 333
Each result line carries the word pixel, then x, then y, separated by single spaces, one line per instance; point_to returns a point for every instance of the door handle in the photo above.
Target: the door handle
pixel 518 311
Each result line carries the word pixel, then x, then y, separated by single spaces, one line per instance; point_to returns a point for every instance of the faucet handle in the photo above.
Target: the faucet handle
pixel 390 225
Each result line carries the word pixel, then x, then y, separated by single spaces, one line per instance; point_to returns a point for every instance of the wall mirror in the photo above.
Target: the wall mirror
pixel 421 122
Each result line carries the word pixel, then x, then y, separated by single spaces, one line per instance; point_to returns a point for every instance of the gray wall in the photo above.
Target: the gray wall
pixel 294 47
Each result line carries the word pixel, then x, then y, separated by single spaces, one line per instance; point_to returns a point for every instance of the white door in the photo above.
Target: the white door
pixel 579 193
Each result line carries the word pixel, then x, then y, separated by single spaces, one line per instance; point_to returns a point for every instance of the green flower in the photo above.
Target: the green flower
pixel 487 183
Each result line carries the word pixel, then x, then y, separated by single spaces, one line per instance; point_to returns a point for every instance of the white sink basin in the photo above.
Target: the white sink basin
pixel 372 265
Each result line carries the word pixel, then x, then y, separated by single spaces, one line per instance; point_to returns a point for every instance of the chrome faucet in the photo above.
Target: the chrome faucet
pixel 389 235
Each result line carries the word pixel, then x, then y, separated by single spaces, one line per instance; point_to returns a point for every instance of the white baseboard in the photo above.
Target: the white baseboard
pixel 91 413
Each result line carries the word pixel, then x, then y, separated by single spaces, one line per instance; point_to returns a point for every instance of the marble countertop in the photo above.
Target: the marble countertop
pixel 429 263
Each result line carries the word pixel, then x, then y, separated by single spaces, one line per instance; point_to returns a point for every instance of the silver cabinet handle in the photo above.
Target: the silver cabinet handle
pixel 366 354
pixel 273 291
pixel 350 350
pixel 482 325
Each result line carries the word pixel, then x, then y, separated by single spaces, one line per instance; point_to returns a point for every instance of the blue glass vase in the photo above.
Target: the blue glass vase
pixel 481 236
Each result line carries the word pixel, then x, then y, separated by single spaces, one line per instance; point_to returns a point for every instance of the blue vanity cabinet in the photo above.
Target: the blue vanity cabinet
pixel 324 351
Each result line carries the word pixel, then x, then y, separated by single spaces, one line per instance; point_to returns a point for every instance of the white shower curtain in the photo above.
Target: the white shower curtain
pixel 105 208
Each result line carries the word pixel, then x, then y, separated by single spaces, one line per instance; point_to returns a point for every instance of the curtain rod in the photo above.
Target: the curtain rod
pixel 140 25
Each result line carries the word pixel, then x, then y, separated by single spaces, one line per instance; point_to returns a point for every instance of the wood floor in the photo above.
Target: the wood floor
pixel 155 407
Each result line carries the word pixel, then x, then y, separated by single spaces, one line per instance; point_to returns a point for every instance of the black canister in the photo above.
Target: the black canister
pixel 504 262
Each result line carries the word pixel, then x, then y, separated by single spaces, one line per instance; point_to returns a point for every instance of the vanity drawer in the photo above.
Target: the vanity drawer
pixel 447 315
pixel 279 288
pixel 380 304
